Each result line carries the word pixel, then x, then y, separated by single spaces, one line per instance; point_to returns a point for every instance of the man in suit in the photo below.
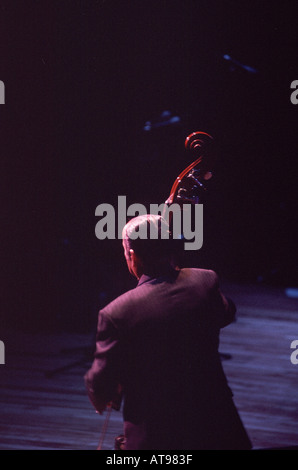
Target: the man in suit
pixel 157 345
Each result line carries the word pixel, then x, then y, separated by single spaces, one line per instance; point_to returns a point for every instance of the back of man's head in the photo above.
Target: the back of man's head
pixel 149 237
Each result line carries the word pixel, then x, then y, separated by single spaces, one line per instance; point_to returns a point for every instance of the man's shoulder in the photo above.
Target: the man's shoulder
pixel 199 274
pixel 132 303
pixel 118 307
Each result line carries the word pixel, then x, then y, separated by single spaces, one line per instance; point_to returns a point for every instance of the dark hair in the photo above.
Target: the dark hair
pixel 149 237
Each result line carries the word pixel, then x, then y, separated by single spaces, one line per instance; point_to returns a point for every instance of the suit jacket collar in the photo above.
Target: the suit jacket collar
pixel 169 274
pixel 144 278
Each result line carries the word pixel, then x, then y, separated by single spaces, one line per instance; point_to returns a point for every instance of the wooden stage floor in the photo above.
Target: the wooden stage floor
pixel 40 410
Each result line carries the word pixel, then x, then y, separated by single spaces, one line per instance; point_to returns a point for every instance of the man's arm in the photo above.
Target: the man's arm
pixel 223 307
pixel 102 379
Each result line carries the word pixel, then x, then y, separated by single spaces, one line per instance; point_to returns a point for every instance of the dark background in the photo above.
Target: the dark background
pixel 82 78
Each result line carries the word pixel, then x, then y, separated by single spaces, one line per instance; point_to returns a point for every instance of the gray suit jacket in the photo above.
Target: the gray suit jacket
pixel 158 344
